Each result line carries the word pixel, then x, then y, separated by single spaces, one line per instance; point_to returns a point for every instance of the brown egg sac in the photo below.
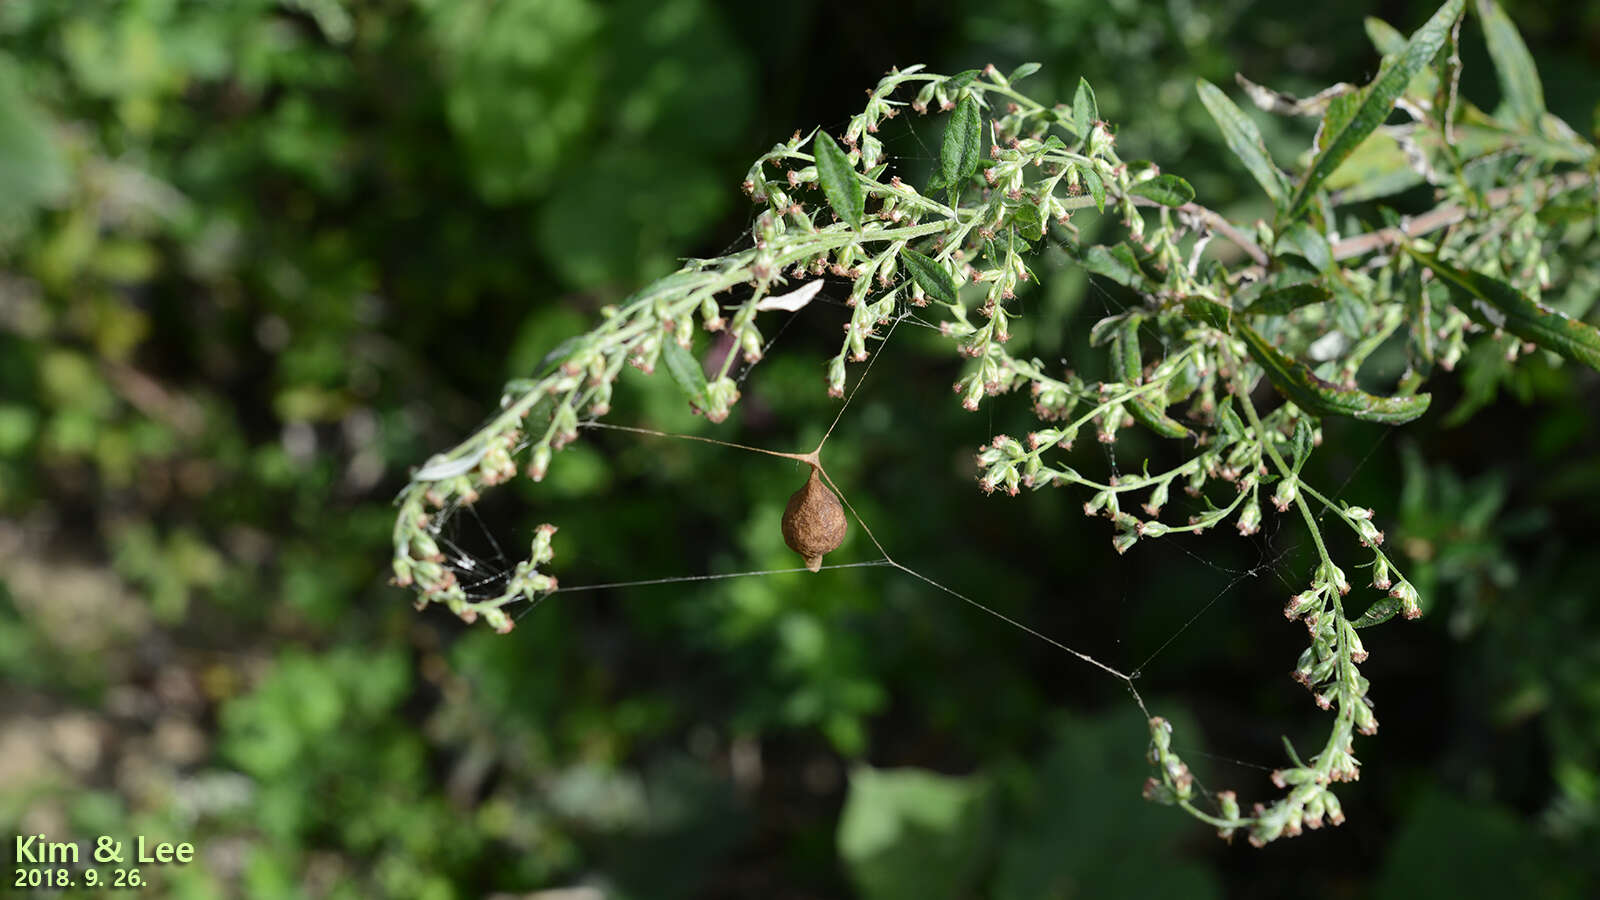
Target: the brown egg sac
pixel 814 522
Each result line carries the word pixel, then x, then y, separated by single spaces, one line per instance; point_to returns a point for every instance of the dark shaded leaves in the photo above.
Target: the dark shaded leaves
pixel 1323 398
pixel 930 276
pixel 1285 300
pixel 1492 302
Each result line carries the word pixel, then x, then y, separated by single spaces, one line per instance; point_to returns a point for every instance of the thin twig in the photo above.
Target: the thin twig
pixel 1445 216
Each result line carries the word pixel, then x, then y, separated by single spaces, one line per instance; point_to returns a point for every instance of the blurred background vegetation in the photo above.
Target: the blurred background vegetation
pixel 257 258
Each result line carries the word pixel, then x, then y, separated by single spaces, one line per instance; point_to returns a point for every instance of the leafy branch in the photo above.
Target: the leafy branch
pixel 1321 289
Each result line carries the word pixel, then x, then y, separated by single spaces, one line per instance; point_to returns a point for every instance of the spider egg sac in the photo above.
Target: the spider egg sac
pixel 814 522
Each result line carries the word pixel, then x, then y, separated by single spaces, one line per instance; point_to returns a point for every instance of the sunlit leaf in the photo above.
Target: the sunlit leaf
pixel 685 371
pixel 1376 100
pixel 1244 139
pixel 1022 71
pixel 1377 168
pixel 1513 65
pixel 1385 38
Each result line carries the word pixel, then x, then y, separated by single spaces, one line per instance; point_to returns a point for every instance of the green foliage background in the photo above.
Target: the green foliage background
pixel 257 258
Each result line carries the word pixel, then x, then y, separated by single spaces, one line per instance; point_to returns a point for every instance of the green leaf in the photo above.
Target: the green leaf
pixel 1513 65
pixel 1097 188
pixel 1302 444
pixel 1028 220
pixel 1244 139
pixel 1207 312
pixel 1228 421
pixel 1022 71
pixel 838 180
pixel 1378 613
pixel 1116 263
pixel 1418 311
pixel 1385 38
pixel 1341 109
pixel 1390 42
pixel 1492 302
pixel 1167 190
pixel 1085 112
pixel 930 276
pixel 1377 168
pixel 1323 398
pixel 1350 126
pixel 1308 242
pixel 958 158
pixel 1101 332
pixel 961 79
pixel 1128 368
pixel 685 370
pixel 1285 300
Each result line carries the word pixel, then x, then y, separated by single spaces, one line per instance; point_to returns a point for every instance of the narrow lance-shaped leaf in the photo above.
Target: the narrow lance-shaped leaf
pixel 1493 302
pixel 1167 190
pixel 930 276
pixel 1378 613
pixel 1385 38
pixel 1390 42
pixel 1341 109
pixel 1145 410
pixel 1244 139
pixel 1377 99
pixel 1419 313
pixel 838 180
pixel 1323 398
pixel 958 158
pixel 1513 65
pixel 685 370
